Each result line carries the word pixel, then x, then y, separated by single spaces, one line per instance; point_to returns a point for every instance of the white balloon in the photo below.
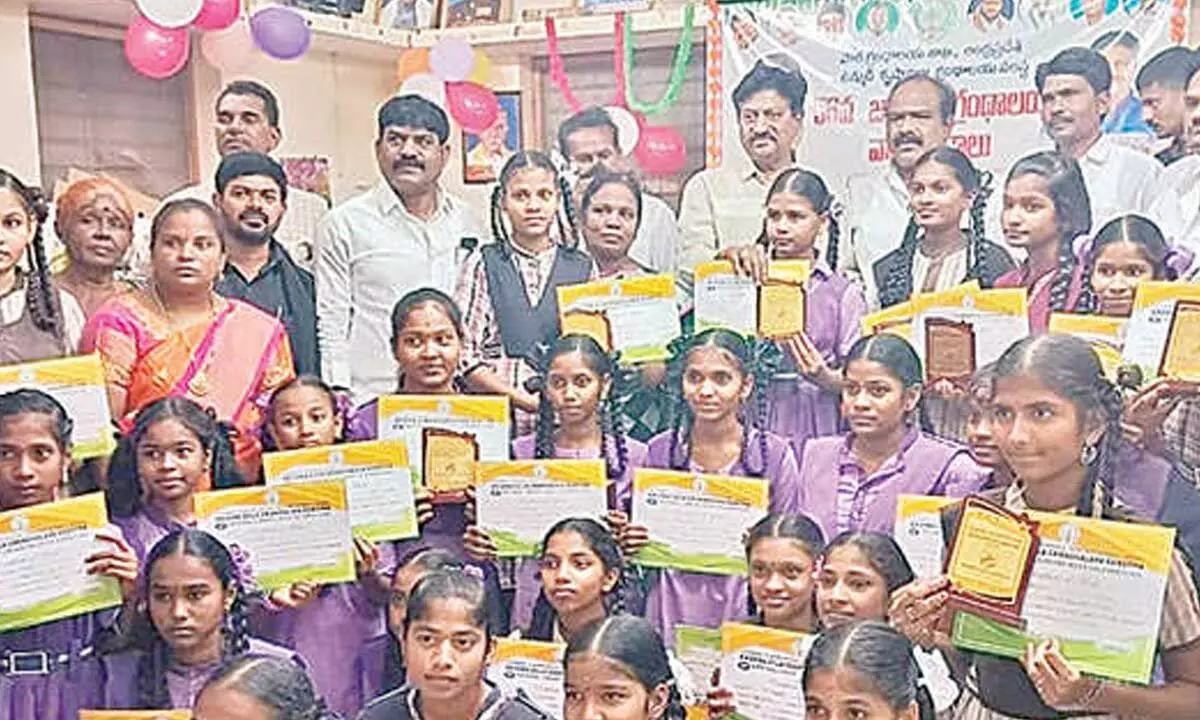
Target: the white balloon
pixel 170 13
pixel 428 86
pixel 627 128
pixel 230 49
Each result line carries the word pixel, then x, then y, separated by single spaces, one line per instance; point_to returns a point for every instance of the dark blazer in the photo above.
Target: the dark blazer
pixel 993 262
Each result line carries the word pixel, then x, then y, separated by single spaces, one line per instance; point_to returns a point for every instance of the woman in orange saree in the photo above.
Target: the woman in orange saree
pixel 177 337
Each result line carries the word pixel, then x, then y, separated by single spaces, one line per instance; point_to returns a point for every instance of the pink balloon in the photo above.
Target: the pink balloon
pixel 230 49
pixel 218 14
pixel 660 150
pixel 473 106
pixel 158 53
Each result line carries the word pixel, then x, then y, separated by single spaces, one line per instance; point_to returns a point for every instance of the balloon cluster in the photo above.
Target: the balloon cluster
pixel 158 42
pixel 453 75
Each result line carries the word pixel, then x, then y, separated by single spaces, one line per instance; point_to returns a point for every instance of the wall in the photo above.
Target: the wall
pixel 18 120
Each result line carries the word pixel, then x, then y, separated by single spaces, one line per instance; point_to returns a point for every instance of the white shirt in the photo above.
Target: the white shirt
pixel 12 307
pixel 370 252
pixel 657 245
pixel 720 208
pixel 297 231
pixel 876 217
pixel 1119 180
pixel 1177 210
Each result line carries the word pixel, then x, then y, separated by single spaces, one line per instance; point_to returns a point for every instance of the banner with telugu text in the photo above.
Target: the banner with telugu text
pixel 852 51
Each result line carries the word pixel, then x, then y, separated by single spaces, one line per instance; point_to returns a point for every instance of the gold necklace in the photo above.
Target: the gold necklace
pixel 198 385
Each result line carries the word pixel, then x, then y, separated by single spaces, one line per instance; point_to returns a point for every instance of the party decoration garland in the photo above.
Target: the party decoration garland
pixel 619 58
pixel 683 56
pixel 558 72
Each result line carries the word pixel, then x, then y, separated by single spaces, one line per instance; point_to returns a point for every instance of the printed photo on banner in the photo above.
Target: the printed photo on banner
pixel 406 14
pixel 464 13
pixel 484 154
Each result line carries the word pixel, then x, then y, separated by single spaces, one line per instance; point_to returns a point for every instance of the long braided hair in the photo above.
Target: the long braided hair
pixel 754 361
pixel 568 232
pixel 152 666
pixel 613 445
pixel 899 283
pixel 606 548
pixel 1134 229
pixel 1068 367
pixel 1072 209
pixel 39 290
pixel 811 187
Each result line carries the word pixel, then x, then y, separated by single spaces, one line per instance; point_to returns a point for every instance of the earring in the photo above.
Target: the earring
pixel 1088 455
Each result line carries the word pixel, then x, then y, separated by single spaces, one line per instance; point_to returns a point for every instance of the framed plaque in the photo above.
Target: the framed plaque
pixel 949 350
pixel 449 464
pixel 990 560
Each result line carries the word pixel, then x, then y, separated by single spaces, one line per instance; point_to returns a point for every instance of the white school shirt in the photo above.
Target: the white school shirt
pixel 1177 210
pixel 1119 180
pixel 876 216
pixel 370 252
pixel 720 208
pixel 657 245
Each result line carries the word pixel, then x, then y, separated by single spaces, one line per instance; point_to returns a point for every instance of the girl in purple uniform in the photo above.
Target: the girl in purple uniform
pixel 195 621
pixel 851 481
pixel 714 432
pixel 51 671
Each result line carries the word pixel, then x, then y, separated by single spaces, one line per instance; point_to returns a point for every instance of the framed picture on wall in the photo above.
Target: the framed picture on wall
pixel 463 13
pixel 341 8
pixel 484 154
pixel 610 6
pixel 407 14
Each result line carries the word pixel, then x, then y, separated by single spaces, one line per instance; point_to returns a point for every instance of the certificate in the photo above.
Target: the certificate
pixel 1181 356
pixel 1097 586
pixel 42 553
pixel 77 383
pixel 764 670
pixel 291 533
pixel 517 502
pixel 966 327
pixel 696 522
pixel 379 487
pixel 699 649
pixel 990 559
pixel 135 715
pixel 483 418
pixel 774 309
pixel 919 532
pixel 535 668
pixel 639 315
pixel 1151 325
pixel 1106 335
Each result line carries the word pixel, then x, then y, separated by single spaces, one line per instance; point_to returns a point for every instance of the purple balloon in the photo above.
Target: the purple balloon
pixel 281 32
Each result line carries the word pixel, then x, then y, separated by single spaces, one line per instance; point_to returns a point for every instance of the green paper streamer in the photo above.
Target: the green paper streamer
pixel 683 57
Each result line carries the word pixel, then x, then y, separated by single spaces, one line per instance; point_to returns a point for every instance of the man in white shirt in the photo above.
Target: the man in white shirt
pixel 589 139
pixel 1074 86
pixel 724 207
pixel 405 233
pixel 1181 180
pixel 247 120
pixel 1161 84
pixel 919 118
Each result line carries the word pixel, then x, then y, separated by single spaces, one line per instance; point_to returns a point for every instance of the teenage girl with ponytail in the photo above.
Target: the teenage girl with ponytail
pixel 37 320
pixel 1046 207
pixel 1057 424
pixel 576 421
pixel 803 397
pixel 507 289
pixel 714 430
pixel 261 688
pixel 195 621
pixel 618 668
pixel 937 253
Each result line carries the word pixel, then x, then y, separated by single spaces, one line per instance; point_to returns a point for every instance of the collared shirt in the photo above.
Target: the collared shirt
pixel 297 231
pixel 720 208
pixel 1177 209
pixel 876 215
pixel 657 245
pixel 13 305
pixel 1119 180
pixel 270 292
pixel 370 252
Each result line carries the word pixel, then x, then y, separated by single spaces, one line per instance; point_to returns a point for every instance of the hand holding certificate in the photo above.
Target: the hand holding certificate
pixel 43 554
pixel 696 522
pixel 775 309
pixel 536 668
pixel 764 670
pixel 291 533
pixel 379 485
pixel 517 502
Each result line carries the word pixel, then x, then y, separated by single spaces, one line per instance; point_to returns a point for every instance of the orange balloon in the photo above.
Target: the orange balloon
pixel 482 72
pixel 413 61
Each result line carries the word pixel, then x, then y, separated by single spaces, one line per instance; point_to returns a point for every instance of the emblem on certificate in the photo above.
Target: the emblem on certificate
pixel 1181 356
pixel 990 560
pixel 949 350
pixel 780 308
pixel 449 464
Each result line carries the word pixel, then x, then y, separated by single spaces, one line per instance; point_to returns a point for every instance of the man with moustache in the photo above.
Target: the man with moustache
pixel 1162 84
pixel 723 207
pixel 920 115
pixel 252 197
pixel 248 120
pixel 405 233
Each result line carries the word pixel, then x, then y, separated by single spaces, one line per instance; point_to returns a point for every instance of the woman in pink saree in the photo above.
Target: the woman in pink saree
pixel 177 337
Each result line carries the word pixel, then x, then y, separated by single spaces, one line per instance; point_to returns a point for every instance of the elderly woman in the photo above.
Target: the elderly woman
pixel 94 221
pixel 178 337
